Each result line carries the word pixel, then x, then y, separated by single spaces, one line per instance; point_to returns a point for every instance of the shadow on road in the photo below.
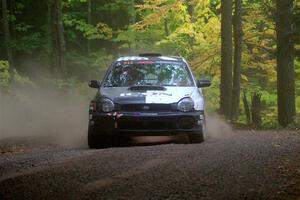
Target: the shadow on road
pixel 146 140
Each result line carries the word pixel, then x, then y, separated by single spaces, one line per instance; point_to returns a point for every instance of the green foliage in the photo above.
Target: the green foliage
pixel 29 43
pixel 210 96
pixel 10 80
pixel 133 41
pixel 100 31
pixel 70 87
pixel 117 5
pixel 178 43
pixel 22 81
pixel 91 67
pixel 4 74
pixel 122 27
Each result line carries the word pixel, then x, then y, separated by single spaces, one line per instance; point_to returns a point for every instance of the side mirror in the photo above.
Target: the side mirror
pixel 95 84
pixel 203 83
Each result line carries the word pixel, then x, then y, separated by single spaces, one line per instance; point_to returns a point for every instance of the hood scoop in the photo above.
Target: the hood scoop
pixel 147 87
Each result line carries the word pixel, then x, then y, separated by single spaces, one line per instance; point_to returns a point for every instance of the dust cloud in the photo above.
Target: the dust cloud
pixel 45 113
pixel 217 127
pixel 62 118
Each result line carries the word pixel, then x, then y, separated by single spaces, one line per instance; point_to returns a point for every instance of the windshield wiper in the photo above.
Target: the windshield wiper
pixel 147 87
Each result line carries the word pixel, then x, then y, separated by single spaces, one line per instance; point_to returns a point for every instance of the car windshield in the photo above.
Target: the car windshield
pixel 148 73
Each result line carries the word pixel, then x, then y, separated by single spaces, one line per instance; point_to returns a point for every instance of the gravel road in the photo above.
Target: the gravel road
pixel 242 165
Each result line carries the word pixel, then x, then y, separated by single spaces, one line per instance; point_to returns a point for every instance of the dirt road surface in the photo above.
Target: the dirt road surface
pixel 242 165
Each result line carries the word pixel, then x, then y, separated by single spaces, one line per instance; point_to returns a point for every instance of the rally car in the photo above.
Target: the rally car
pixel 148 95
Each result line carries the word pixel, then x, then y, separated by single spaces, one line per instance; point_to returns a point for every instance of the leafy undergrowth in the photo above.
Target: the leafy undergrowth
pixel 243 126
pixel 11 149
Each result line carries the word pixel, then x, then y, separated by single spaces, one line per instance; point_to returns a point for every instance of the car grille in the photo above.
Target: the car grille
pixel 146 125
pixel 145 107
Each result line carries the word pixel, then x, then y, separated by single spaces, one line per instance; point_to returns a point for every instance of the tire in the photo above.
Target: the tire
pixel 96 141
pixel 200 136
pixel 92 139
pixel 92 142
pixel 196 137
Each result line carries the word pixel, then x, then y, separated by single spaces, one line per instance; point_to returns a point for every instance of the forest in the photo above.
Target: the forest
pixel 249 49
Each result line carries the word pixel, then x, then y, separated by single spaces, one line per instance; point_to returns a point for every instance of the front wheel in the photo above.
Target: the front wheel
pixel 199 137
pixel 196 137
pixel 97 141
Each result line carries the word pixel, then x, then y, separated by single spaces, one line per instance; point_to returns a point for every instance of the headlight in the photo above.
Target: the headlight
pixel 107 105
pixel 185 105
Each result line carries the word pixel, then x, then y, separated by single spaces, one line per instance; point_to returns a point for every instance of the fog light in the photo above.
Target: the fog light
pixel 186 123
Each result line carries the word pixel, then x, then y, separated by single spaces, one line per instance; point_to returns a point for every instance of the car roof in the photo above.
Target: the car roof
pixel 156 57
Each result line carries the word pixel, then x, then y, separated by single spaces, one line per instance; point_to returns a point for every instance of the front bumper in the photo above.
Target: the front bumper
pixel 146 123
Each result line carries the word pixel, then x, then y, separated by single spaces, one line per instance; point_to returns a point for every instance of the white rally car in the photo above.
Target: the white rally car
pixel 147 95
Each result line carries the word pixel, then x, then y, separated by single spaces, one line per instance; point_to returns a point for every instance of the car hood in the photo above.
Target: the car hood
pixel 122 95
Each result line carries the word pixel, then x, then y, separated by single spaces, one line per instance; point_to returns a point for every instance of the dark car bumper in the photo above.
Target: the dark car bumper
pixel 146 123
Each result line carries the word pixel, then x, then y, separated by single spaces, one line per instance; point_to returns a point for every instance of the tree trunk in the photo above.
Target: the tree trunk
pixel 57 52
pixel 6 31
pixel 285 63
pixel 238 47
pixel 191 10
pixel 89 20
pixel 256 109
pixel 246 107
pixel 61 37
pixel 49 32
pixel 166 27
pixel 226 58
pixel 52 37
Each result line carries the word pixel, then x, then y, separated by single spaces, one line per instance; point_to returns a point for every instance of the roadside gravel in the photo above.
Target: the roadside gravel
pixel 240 165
